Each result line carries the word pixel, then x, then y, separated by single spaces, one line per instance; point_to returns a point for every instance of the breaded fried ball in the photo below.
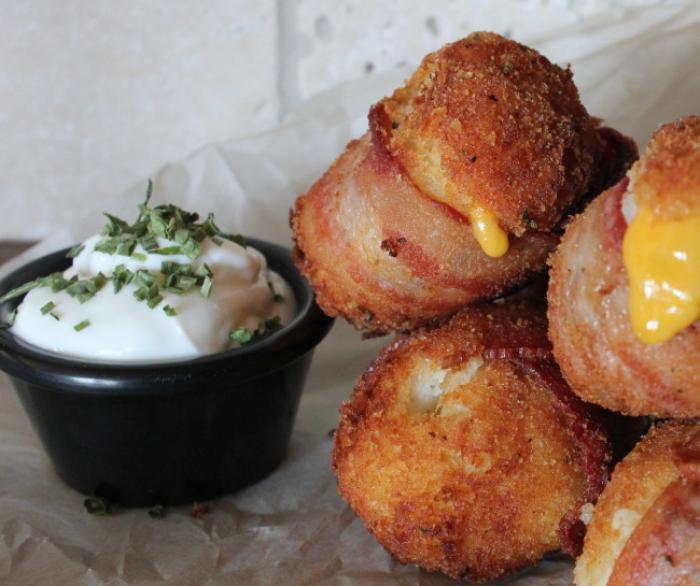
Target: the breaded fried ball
pixel 487 122
pixel 590 322
pixel 386 251
pixel 464 452
pixel 385 257
pixel 645 529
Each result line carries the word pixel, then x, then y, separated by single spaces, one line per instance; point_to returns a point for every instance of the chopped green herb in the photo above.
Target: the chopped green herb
pixel 116 226
pixel 149 192
pixel 157 512
pixel 270 326
pixel 99 506
pixel 149 243
pixel 22 289
pixel 245 336
pixel 59 282
pixel 75 251
pixel 241 335
pixel 119 237
pixel 47 307
pixel 99 281
pixel 81 325
pixel 85 289
pixel 528 221
pixel 154 301
pixel 54 315
pixel 126 247
pixel 278 298
pixel 121 276
pixel 169 310
pixel 205 289
pixel 203 271
pixel 10 322
pixel 167 250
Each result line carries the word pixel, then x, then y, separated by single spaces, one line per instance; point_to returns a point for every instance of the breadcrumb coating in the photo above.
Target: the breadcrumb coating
pixel 488 122
pixel 588 300
pixel 462 449
pixel 645 528
pixel 667 176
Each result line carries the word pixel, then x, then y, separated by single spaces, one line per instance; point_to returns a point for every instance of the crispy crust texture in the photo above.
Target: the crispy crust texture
pixel 667 177
pixel 462 449
pixel 386 257
pixel 645 528
pixel 588 292
pixel 488 122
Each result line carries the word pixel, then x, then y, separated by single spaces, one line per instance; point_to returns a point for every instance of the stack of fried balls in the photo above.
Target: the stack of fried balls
pixel 500 424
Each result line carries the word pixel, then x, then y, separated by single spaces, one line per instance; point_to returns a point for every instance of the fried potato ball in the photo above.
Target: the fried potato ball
pixel 487 122
pixel 384 253
pixel 463 451
pixel 590 322
pixel 645 528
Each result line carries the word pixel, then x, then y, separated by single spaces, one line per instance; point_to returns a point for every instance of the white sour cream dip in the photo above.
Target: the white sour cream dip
pixel 122 329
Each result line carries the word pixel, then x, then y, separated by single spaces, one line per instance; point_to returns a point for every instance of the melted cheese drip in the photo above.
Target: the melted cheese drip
pixel 663 263
pixel 490 236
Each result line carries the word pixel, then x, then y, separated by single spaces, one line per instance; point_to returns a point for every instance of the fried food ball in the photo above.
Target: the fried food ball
pixel 486 122
pixel 667 177
pixel 385 254
pixel 463 450
pixel 645 528
pixel 590 323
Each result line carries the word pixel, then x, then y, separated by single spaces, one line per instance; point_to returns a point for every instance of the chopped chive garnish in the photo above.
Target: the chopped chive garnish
pixel 10 322
pixel 183 229
pixel 157 512
pixel 169 310
pixel 241 335
pixel 205 289
pixel 155 300
pixel 167 250
pixel 277 297
pixel 54 315
pixel 21 290
pixel 99 506
pixel 245 336
pixel 81 325
pixel 75 251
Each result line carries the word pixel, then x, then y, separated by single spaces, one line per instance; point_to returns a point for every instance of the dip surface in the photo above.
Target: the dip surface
pixel 242 301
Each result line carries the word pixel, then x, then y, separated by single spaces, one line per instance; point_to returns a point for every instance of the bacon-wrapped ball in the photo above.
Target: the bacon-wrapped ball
pixel 645 529
pixel 624 292
pixel 464 451
pixel 456 193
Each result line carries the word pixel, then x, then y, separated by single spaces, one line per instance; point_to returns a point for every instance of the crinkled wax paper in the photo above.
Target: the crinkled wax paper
pixel 635 67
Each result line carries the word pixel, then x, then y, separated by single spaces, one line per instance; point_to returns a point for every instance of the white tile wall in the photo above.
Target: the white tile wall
pixel 95 94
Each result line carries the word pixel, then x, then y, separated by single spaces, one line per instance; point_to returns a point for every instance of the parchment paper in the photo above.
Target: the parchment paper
pixel 634 67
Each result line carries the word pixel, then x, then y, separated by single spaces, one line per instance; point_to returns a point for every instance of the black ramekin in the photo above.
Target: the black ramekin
pixel 167 433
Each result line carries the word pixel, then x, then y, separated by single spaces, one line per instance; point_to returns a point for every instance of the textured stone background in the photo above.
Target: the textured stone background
pixel 95 94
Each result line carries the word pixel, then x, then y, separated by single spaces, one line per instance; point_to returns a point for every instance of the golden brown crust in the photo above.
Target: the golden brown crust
pixel 647 512
pixel 486 121
pixel 386 257
pixel 667 177
pixel 456 455
pixel 591 331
